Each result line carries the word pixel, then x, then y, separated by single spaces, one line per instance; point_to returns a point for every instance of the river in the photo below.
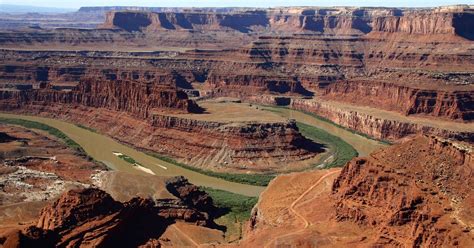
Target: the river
pixel 363 145
pixel 101 148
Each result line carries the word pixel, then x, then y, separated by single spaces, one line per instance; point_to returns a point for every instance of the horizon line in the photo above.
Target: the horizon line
pixel 259 7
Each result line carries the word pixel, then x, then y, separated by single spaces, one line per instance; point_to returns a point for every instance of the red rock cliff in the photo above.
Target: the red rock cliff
pixel 91 218
pixel 426 23
pixel 337 20
pixel 456 105
pixel 414 194
pixel 136 98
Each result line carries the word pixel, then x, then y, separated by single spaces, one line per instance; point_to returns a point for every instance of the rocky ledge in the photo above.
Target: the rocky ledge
pixel 373 124
pixel 414 194
pixel 91 217
pixel 344 20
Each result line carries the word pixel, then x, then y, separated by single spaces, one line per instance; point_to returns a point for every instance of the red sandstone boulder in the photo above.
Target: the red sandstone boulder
pixel 91 218
pixel 76 207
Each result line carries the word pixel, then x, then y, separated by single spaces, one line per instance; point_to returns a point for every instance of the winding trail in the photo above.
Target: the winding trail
pixel 293 210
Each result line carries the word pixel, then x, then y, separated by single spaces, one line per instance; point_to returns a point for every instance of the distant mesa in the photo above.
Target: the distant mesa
pixel 352 21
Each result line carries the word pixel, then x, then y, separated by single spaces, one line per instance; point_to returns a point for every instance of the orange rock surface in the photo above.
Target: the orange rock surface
pixel 418 193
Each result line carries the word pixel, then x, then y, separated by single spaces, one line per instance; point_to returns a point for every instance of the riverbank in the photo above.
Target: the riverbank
pixel 363 144
pixel 237 199
pixel 101 148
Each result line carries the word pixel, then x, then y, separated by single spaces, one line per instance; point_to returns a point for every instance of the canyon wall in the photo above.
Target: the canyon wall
pixel 408 193
pixel 238 147
pixel 426 23
pixel 132 92
pixel 337 54
pixel 337 20
pixel 456 105
pixel 378 127
pixel 365 123
pixel 244 22
pixel 138 99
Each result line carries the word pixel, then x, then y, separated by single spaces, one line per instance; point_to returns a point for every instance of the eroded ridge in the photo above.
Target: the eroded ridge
pixel 415 193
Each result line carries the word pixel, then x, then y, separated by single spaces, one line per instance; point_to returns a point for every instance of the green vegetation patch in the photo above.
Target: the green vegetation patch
pixel 236 211
pixel 239 205
pixel 86 128
pixel 386 142
pixel 343 152
pixel 127 159
pixel 276 109
pixel 51 130
pixel 251 179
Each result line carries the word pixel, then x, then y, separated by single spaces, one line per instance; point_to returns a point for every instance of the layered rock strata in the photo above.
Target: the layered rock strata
pixel 145 97
pixel 337 20
pixel 335 53
pixel 433 73
pixel 136 98
pixel 258 147
pixel 419 193
pixel 415 194
pixel 457 105
pixel 374 124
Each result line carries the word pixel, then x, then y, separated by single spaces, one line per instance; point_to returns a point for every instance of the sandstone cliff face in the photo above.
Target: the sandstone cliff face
pixel 458 105
pixel 136 98
pixel 242 85
pixel 310 50
pixel 377 127
pixel 415 194
pixel 90 217
pixel 247 146
pixel 330 21
pixel 247 21
pixel 191 195
pixel 426 23
pixel 76 208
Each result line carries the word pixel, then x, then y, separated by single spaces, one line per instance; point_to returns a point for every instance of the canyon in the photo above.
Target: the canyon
pixel 401 62
pixel 226 92
pixel 415 193
pixel 52 195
